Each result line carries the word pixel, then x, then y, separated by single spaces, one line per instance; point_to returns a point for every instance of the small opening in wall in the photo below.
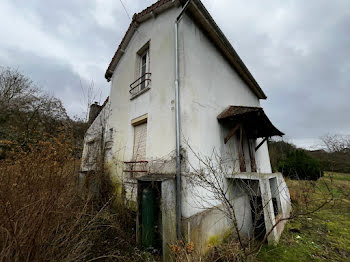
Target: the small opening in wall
pixel 249 209
pixel 275 195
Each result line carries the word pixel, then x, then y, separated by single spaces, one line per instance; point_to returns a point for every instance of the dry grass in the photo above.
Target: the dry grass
pixel 43 218
pixel 36 196
pixel 228 251
pixel 301 191
pixel 319 236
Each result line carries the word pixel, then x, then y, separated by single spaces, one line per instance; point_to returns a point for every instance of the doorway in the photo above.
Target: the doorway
pixel 249 208
pixel 150 216
pixel 257 209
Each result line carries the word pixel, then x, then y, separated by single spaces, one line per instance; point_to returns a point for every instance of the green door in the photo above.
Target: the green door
pixel 148 217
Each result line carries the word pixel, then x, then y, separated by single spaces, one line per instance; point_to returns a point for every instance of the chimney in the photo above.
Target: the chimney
pixel 95 109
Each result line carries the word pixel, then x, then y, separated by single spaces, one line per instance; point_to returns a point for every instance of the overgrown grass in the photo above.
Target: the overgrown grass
pixel 320 236
pixel 45 218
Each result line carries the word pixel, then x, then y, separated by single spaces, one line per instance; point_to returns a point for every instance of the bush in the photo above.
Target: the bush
pixel 299 165
pixel 279 151
pixel 44 218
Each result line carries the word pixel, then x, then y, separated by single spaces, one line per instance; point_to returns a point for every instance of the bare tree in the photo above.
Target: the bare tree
pixel 15 86
pixel 336 143
pixel 210 175
pixel 336 154
pixel 90 95
pixel 27 114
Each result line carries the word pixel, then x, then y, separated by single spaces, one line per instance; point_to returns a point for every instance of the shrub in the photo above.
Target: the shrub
pixel 299 165
pixel 278 151
pixel 44 218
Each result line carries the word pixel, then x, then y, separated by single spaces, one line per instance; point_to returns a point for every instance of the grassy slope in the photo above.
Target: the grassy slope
pixel 322 236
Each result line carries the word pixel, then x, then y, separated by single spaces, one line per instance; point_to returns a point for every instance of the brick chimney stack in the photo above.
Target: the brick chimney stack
pixel 95 109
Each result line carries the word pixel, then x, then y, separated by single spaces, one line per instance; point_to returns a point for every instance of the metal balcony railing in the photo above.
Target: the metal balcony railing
pixel 141 83
pixel 136 167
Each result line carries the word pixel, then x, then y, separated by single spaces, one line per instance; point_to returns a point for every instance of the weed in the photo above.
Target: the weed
pixel 320 236
pixel 44 218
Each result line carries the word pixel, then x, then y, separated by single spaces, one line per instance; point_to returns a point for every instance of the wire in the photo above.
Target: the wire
pixel 126 11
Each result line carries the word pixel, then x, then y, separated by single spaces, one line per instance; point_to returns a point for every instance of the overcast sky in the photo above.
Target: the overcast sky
pixel 298 51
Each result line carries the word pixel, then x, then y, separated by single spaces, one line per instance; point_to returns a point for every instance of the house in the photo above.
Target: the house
pixel 178 93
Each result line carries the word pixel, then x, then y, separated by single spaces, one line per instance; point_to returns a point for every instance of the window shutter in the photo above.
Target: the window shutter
pixel 140 135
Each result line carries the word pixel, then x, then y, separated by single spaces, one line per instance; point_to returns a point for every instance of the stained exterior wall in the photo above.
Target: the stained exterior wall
pixel 98 132
pixel 208 84
pixel 206 228
pixel 157 103
pixel 267 191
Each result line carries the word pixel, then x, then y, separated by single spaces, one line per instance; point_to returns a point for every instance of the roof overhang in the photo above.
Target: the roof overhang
pixel 200 15
pixel 197 11
pixel 255 122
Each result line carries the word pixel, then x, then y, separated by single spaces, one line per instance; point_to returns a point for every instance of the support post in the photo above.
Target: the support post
pixel 252 155
pixel 241 151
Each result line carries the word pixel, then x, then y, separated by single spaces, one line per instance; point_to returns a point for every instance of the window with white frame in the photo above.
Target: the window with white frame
pixel 144 68
pixel 142 73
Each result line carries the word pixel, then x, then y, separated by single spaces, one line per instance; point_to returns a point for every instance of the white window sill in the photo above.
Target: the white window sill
pixel 133 96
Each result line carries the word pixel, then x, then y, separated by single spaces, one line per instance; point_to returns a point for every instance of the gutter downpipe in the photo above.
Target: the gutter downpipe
pixel 177 128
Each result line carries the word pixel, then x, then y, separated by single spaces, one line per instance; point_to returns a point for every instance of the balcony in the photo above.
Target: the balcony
pixel 140 85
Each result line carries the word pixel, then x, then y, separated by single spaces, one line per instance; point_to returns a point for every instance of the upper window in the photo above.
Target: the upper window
pixel 143 76
pixel 144 68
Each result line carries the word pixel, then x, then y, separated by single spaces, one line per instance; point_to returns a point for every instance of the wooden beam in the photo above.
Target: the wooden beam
pixel 252 156
pixel 260 144
pixel 232 132
pixel 242 165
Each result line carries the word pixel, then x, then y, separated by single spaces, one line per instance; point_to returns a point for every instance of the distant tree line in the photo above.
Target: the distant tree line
pixel 335 155
pixel 29 115
pixel 300 163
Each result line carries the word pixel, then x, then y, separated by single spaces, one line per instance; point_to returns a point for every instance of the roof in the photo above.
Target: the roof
pixel 158 6
pixel 197 11
pixel 254 120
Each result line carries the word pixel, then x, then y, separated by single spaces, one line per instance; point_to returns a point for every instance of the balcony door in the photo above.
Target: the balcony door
pixel 143 69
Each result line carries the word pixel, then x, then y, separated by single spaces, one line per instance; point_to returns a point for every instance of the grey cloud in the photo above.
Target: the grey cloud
pixel 302 61
pixel 55 78
pixel 297 50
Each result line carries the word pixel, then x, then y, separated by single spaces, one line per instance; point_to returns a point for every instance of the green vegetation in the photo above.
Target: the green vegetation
pixel 278 151
pixel 294 162
pixel 320 236
pixel 334 155
pixel 299 165
pixel 336 161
